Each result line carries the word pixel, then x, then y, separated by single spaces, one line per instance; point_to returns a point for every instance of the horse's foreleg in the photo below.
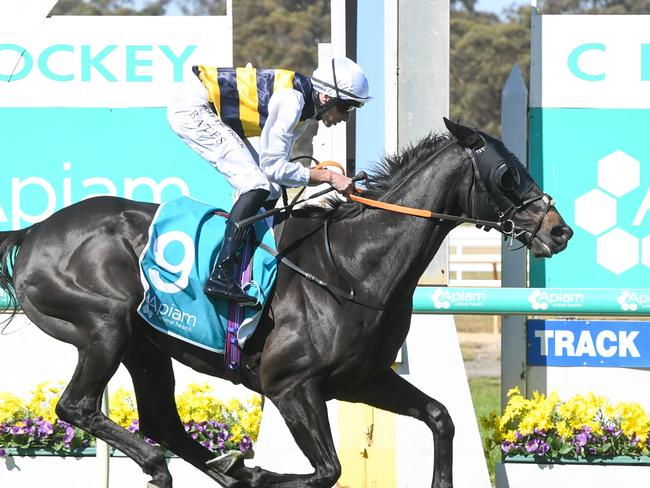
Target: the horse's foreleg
pixel 391 392
pixel 80 405
pixel 305 413
pixel 153 381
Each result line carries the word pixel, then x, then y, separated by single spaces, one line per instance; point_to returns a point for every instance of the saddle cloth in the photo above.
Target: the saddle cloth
pixel 184 239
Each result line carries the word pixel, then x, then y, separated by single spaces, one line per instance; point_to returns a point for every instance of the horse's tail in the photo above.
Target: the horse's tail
pixel 9 244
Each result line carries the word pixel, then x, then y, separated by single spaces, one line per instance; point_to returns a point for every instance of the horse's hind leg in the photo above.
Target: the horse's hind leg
pixel 153 381
pixel 80 404
pixel 391 392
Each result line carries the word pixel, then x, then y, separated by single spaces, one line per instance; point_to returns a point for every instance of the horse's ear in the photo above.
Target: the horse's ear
pixel 467 137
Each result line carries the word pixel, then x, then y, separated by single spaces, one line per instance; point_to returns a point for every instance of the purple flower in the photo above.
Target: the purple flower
pixel 245 444
pixel 507 446
pixel 69 435
pixel 543 448
pixel 540 432
pixel 581 439
pixel 532 445
pixel 3 453
pixel 44 428
pixel 223 436
pixel 609 428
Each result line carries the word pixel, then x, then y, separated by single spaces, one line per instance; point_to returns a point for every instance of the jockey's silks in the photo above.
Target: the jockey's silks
pixel 240 96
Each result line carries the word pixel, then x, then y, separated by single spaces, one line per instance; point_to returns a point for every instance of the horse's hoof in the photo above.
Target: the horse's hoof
pixel 226 461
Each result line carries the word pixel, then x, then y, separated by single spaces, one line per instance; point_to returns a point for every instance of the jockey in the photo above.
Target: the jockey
pixel 219 109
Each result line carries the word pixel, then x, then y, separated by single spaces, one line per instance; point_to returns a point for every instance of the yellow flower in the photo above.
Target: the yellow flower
pixel 196 403
pixel 513 391
pixel 563 429
pixel 122 407
pixel 44 400
pixel 11 407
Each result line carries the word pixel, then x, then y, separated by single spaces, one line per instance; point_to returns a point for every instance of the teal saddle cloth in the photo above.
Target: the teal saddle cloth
pixel 184 239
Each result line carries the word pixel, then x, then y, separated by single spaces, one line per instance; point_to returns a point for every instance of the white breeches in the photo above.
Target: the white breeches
pixel 193 120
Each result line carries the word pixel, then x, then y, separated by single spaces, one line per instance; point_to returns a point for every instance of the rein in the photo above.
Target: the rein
pixel 427 214
pixel 505 225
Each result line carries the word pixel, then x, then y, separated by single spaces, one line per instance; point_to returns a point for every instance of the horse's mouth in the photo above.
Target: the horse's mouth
pixel 541 249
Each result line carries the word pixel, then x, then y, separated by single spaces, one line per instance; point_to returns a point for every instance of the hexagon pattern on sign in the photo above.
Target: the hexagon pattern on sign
pixel 619 173
pixel 617 251
pixel 645 251
pixel 595 212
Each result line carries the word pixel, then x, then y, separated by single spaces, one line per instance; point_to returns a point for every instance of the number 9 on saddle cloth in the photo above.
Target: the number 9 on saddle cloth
pixel 184 241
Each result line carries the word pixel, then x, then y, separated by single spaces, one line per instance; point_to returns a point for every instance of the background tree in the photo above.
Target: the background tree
pixel 109 7
pixel 595 6
pixel 483 51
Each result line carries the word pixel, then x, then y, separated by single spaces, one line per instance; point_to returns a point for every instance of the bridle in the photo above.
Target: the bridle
pixel 493 172
pixel 505 222
pixel 479 189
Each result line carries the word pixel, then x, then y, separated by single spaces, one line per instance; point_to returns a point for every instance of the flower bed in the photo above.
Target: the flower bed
pixel 30 425
pixel 587 427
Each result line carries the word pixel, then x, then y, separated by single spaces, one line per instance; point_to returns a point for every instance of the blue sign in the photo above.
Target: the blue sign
pixel 621 344
pixel 602 189
pixel 53 157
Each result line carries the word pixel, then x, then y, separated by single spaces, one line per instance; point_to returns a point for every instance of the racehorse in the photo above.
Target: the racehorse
pixel 76 276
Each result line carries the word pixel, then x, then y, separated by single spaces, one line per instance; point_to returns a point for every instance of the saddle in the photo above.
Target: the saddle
pixel 184 241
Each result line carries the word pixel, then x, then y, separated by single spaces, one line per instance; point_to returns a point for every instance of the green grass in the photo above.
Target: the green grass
pixel 486 396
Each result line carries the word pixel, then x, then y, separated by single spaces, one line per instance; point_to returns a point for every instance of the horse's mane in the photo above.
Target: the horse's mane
pixel 383 177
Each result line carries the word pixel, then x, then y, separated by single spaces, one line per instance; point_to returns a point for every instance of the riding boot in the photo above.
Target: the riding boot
pixel 223 281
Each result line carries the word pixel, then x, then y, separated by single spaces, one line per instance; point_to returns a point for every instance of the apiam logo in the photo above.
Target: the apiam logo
pixel 542 300
pixel 631 301
pixel 597 212
pixel 439 301
pixel 169 314
pixel 444 299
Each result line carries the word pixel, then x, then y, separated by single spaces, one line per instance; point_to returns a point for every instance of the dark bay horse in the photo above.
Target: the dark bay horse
pixel 76 276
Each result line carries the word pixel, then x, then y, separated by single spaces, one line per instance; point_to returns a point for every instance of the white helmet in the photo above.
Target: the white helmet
pixel 341 78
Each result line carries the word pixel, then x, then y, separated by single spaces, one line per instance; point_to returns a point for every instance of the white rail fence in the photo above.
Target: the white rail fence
pixel 475 261
pixel 475 257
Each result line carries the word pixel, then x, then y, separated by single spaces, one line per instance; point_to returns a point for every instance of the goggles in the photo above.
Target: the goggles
pixel 345 106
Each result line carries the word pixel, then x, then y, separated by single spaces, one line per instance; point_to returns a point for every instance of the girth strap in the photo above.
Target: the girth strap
pixel 346 295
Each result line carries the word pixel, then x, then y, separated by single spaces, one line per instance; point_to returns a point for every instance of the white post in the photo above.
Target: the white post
pixel 391 92
pixel 514 130
pixel 338 27
pixel 423 89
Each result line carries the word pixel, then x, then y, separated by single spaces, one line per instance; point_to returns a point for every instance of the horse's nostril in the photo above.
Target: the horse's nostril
pixel 562 231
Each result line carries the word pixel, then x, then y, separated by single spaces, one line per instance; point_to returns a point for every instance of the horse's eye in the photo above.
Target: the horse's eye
pixel 507 178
